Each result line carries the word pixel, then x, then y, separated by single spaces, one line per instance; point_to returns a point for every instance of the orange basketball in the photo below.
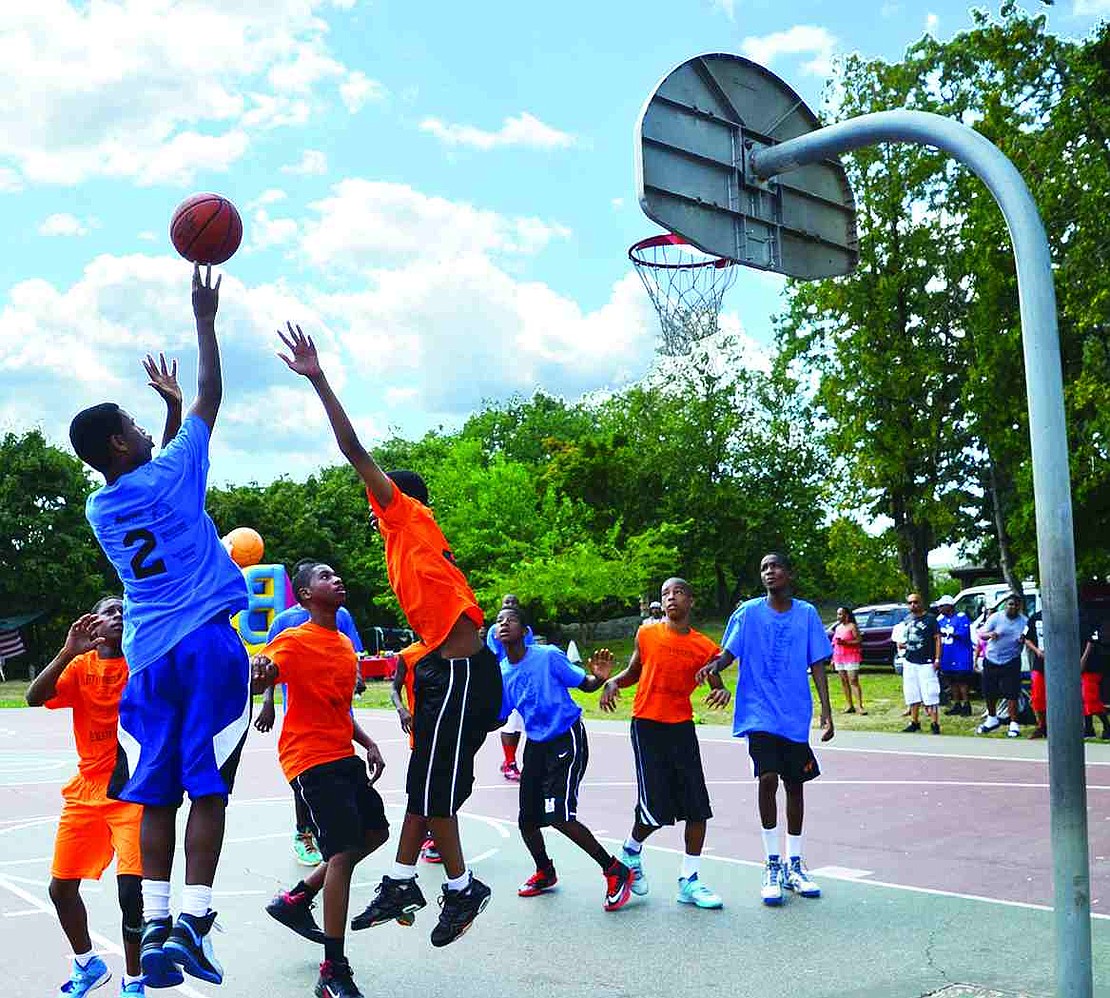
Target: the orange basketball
pixel 245 546
pixel 206 228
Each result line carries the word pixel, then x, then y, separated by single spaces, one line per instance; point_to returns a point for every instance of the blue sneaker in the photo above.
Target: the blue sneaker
pixel 85 979
pixel 133 990
pixel 796 879
pixel 635 862
pixel 693 891
pixel 159 971
pixel 770 890
pixel 190 946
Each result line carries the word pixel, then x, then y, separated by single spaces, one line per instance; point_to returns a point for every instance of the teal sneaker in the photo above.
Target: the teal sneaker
pixel 306 850
pixel 693 891
pixel 635 862
pixel 85 979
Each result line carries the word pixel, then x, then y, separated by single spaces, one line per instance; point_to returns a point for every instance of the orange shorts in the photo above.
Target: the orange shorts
pixel 90 833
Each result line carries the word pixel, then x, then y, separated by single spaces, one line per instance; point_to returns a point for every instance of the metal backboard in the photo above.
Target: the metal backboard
pixel 693 142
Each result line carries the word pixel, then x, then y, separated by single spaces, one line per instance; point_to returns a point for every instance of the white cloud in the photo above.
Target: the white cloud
pixel 727 7
pixel 801 40
pixel 154 90
pixel 63 224
pixel 617 203
pixel 523 130
pixel 374 224
pixel 358 89
pixel 271 195
pixel 10 181
pixel 267 231
pixel 932 21
pixel 147 236
pixel 1095 8
pixel 313 163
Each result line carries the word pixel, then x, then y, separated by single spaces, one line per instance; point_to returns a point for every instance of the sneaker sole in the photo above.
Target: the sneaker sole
pixel 534 892
pixel 100 982
pixel 699 904
pixel 640 888
pixel 159 971
pixel 773 902
pixel 406 918
pixel 185 959
pixel 316 936
pixel 806 894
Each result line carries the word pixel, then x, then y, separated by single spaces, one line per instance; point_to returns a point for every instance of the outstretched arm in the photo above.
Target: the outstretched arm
pixel 210 383
pixel 164 381
pixel 79 640
pixel 598 671
pixel 304 361
pixel 628 676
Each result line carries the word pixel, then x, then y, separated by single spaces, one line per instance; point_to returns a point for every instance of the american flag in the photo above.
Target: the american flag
pixel 11 644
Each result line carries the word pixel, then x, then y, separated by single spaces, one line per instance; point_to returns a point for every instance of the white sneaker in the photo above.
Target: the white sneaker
pixel 635 862
pixel 796 878
pixel 989 725
pixel 771 891
pixel 1014 730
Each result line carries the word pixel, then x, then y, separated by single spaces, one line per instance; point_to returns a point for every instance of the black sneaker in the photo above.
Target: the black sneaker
pixel 934 728
pixel 394 899
pixel 159 971
pixel 458 911
pixel 294 910
pixel 955 710
pixel 912 726
pixel 190 946
pixel 336 981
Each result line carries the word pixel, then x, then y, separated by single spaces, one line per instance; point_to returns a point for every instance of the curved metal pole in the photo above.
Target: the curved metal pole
pixel 1051 485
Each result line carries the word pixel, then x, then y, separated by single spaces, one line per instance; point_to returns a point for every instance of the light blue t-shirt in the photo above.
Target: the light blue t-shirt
pixel 294 616
pixel 152 525
pixel 538 686
pixel 498 648
pixel 1007 646
pixel 774 652
pixel 955 642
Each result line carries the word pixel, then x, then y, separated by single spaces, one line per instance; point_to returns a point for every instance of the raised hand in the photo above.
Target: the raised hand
pixel 375 764
pixel 163 379
pixel 266 715
pixel 303 359
pixel 206 296
pixel 601 663
pixel 82 636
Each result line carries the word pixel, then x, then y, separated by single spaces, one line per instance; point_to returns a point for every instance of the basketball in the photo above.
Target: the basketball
pixel 206 228
pixel 245 546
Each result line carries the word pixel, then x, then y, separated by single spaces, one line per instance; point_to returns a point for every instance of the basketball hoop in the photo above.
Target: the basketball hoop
pixel 686 287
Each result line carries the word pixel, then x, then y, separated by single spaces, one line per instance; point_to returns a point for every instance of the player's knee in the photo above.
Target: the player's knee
pixel 769 781
pixel 792 788
pixel 131 904
pixel 63 891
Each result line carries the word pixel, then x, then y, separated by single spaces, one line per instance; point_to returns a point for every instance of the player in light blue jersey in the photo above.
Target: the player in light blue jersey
pixel 185 710
pixel 305 847
pixel 778 642
pixel 514 726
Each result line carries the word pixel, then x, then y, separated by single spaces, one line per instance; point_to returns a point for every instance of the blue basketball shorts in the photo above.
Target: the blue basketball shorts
pixel 183 720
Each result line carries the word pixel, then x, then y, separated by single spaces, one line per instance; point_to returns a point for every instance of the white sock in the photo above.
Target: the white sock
pixel 991 719
pixel 1014 724
pixel 196 899
pixel 156 899
pixel 771 842
pixel 632 846
pixel 83 959
pixel 402 872
pixel 793 846
pixel 459 883
pixel 128 979
pixel 690 866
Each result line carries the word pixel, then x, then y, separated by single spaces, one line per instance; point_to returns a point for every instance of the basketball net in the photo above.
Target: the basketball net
pixel 686 287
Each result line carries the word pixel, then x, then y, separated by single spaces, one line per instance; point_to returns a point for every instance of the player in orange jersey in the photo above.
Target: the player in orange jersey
pixel 669 776
pixel 457 684
pixel 88 676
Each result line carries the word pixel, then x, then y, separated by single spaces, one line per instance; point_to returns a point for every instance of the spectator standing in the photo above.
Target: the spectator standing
pixel 1038 699
pixel 848 656
pixel 955 654
pixel 920 681
pixel 1005 632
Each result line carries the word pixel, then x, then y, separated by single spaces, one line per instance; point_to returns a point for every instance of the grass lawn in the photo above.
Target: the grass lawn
pixel 882 691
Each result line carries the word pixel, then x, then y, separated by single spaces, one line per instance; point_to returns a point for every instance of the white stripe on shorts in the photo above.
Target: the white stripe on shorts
pixel 641 783
pixel 435 739
pixel 458 741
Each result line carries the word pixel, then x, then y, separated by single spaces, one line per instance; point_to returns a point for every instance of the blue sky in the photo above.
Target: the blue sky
pixel 441 194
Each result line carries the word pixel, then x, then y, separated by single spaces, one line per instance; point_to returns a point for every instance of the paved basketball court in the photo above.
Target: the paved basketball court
pixel 933 854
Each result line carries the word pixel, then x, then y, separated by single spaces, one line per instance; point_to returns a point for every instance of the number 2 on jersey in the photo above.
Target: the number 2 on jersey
pixel 141 562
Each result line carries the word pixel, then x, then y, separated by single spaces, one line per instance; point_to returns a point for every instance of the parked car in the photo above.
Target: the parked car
pixel 875 623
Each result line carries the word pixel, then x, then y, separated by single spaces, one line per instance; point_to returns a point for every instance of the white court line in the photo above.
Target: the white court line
pixel 923 753
pixel 106 945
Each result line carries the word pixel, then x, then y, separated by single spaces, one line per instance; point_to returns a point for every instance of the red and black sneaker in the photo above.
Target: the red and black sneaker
pixel 538 883
pixel 618 885
pixel 294 910
pixel 336 981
